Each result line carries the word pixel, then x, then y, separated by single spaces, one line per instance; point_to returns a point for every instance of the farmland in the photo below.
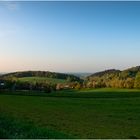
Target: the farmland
pixel 98 113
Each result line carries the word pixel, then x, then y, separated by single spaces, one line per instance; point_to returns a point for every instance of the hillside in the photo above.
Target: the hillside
pixel 81 75
pixel 130 72
pixel 128 78
pixel 102 73
pixel 45 74
pixel 38 80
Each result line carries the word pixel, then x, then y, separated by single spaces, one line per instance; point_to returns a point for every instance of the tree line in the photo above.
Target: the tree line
pixel 129 78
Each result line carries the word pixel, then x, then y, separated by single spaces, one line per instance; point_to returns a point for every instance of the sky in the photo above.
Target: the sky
pixel 69 36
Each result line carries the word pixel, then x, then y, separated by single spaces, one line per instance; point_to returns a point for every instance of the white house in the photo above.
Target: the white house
pixel 2 84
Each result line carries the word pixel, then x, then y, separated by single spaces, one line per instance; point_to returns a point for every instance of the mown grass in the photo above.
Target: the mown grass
pixel 42 79
pixel 87 114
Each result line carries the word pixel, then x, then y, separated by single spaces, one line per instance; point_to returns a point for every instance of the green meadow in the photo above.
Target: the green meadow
pixel 99 113
pixel 41 79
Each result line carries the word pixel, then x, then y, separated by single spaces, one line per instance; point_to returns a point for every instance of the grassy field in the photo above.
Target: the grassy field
pixel 42 79
pixel 100 113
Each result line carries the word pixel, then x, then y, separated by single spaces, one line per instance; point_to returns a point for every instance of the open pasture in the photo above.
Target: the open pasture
pixel 100 113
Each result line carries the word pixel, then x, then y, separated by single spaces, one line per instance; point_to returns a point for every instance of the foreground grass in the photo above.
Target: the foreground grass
pixel 87 114
pixel 11 128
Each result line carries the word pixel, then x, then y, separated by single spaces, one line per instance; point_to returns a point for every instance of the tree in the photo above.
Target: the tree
pixel 78 86
pixel 137 81
pixel 129 83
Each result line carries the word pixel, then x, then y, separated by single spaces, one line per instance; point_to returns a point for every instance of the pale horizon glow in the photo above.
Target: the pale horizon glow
pixel 69 36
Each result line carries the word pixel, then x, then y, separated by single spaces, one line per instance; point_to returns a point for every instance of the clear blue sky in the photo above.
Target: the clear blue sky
pixel 69 36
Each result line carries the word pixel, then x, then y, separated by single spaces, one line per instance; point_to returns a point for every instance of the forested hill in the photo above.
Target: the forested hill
pixel 47 74
pixel 130 72
pixel 129 78
pixel 102 73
